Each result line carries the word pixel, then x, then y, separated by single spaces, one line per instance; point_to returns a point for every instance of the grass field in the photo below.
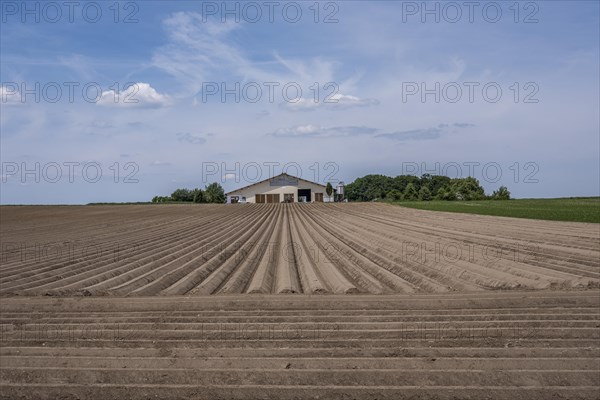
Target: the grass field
pixel 579 209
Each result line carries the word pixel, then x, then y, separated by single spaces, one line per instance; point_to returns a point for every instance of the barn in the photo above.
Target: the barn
pixel 283 188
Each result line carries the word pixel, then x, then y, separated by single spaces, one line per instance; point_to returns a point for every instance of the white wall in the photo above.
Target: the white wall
pixel 266 188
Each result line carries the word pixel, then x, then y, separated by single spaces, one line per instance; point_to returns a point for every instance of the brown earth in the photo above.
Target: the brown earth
pixel 420 305
pixel 300 248
pixel 487 345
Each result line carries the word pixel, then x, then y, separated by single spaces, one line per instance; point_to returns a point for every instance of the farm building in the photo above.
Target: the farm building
pixel 282 188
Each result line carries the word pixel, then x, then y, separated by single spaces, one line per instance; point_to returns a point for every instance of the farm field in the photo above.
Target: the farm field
pixel 578 209
pixel 501 345
pixel 335 301
pixel 299 248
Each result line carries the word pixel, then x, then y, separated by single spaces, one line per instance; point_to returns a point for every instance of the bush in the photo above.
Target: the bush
pixel 394 195
pixel 424 194
pixel 161 199
pixel 446 193
pixel 501 194
pixel 410 193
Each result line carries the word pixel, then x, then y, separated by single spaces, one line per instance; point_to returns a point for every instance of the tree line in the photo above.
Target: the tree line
pixel 424 188
pixel 212 193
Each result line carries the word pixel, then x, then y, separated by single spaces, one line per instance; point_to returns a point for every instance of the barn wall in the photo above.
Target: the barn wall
pixel 266 188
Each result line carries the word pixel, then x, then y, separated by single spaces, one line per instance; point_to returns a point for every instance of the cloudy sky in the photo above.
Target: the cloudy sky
pixel 120 103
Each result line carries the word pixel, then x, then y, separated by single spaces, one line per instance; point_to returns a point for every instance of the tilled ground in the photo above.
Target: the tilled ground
pixel 517 345
pixel 297 248
pixel 443 306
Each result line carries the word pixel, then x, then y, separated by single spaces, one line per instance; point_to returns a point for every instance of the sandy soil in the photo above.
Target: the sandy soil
pixel 299 248
pixel 485 345
pixel 345 301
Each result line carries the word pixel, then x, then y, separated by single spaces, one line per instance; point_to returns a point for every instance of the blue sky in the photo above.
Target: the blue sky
pixel 370 61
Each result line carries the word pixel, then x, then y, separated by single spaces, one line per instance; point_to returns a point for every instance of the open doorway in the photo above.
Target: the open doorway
pixel 304 196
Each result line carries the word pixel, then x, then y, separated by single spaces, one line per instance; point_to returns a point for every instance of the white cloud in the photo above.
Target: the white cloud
pixel 337 101
pixel 196 49
pixel 317 131
pixel 424 133
pixel 138 95
pixel 200 51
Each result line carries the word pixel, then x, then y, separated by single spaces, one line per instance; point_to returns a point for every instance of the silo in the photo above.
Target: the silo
pixel 340 191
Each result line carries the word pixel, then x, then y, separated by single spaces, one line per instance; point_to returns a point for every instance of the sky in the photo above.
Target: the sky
pixel 104 101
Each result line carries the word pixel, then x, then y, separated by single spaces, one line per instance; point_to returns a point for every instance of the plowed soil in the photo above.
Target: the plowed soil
pixel 491 345
pixel 297 248
pixel 344 301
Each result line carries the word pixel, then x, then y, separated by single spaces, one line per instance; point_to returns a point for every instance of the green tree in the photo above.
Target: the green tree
pixel 198 196
pixel 410 192
pixel 394 195
pixel 374 187
pixel 182 195
pixel 400 182
pixel 445 193
pixel 329 189
pixel 501 194
pixel 436 182
pixel 214 193
pixel 424 194
pixel 468 189
pixel 368 188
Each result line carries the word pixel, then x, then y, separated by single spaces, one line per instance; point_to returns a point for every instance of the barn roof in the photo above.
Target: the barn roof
pixel 272 178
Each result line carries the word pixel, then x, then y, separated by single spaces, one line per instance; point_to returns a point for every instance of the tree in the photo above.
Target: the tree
pixel 214 193
pixel 198 196
pixel 426 187
pixel 182 195
pixel 468 189
pixel 329 189
pixel 501 194
pixel 161 199
pixel 445 193
pixel 368 188
pixel 410 193
pixel 424 193
pixel 436 182
pixel 394 195
pixel 402 181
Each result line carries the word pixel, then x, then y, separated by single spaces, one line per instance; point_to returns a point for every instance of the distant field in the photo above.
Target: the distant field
pixel 583 209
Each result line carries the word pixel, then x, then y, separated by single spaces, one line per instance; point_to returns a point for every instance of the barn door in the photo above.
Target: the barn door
pixel 318 197
pixel 260 198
